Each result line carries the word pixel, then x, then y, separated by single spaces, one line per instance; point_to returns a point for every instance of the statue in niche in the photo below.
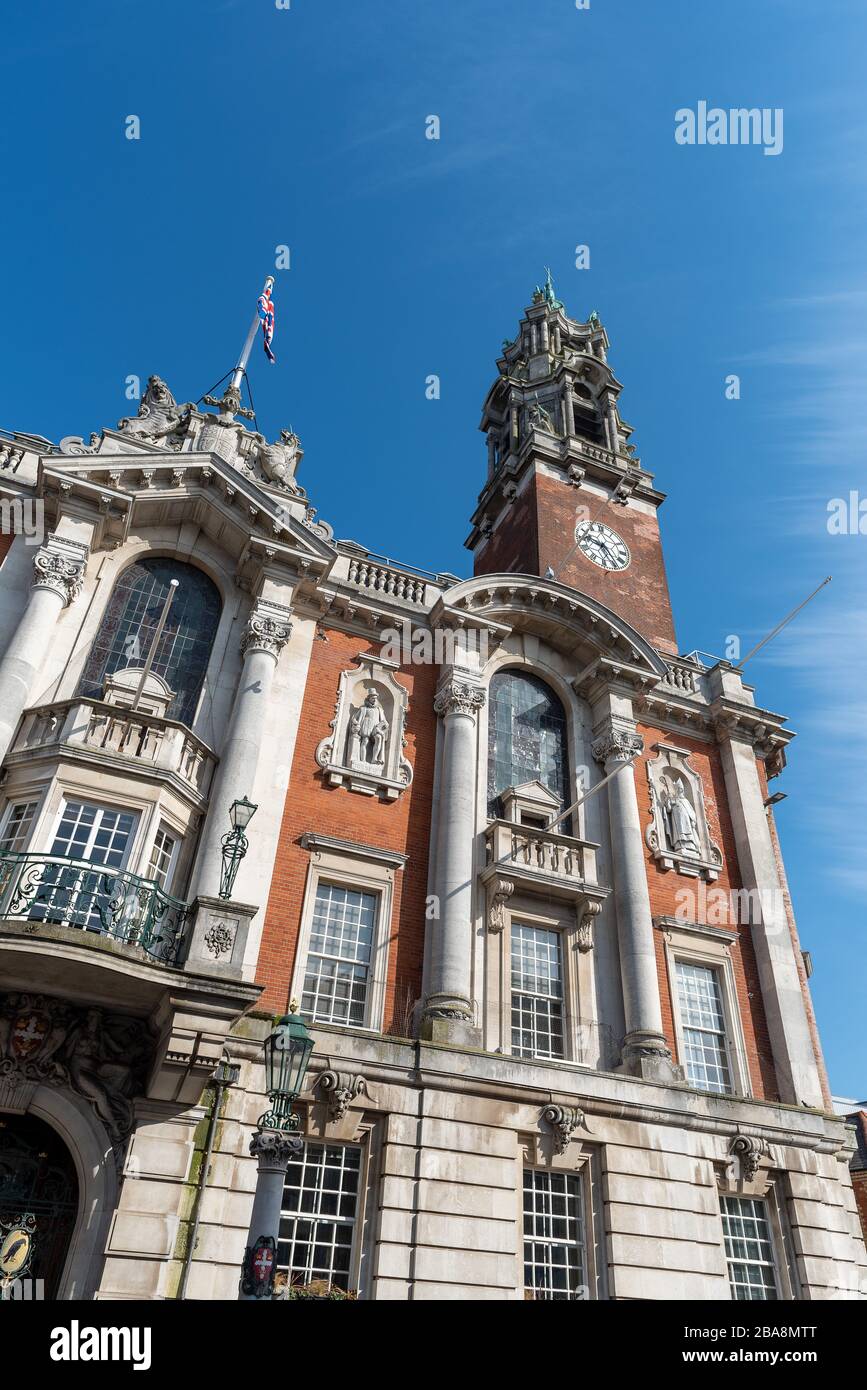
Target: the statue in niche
pixel 539 418
pixel 681 822
pixel 368 732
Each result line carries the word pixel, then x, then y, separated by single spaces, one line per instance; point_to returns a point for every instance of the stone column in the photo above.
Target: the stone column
pixel 568 409
pixel 788 1025
pixel 645 1051
pixel 448 1010
pixel 266 635
pixel 58 576
pixel 272 1148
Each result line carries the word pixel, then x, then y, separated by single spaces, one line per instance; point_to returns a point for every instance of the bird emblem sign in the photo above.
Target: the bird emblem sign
pixel 16 1249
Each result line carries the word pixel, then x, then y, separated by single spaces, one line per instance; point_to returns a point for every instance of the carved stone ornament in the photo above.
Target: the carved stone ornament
pixel 587 913
pixel 279 461
pixel 617 745
pixel 500 891
pixel 158 414
pixel 340 1089
pixel 219 938
pixel 459 697
pixel 564 1120
pixel 746 1153
pixel 678 834
pixel 364 751
pixel 100 1056
pixel 265 633
pixel 59 571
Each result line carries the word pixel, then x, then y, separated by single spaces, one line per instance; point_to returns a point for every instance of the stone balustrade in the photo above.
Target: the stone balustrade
pixel 381 579
pixel 541 855
pixel 114 730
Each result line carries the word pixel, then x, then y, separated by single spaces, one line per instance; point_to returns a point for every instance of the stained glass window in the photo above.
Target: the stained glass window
pixel 129 625
pixel 526 738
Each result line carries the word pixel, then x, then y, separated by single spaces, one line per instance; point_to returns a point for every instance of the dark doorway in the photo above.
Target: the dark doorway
pixel 37 1175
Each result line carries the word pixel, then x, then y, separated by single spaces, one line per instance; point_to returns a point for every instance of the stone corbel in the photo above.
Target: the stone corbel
pixel 746 1172
pixel 500 891
pixel 335 1115
pixel 586 911
pixel 562 1121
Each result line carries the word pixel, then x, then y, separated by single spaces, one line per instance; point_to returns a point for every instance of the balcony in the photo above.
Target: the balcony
pixel 534 858
pixel 148 741
pixel 50 890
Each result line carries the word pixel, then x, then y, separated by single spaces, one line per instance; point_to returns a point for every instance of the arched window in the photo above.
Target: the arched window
pixel 129 624
pixel 526 737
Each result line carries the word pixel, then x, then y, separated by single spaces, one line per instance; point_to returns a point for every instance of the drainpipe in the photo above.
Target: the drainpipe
pixel 226 1075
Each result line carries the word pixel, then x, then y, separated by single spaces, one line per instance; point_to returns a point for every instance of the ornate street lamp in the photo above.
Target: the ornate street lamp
pixel 287 1050
pixel 235 843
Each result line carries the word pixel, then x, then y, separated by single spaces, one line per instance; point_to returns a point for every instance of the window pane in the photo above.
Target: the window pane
pixel 162 856
pixel 537 992
pixel 338 961
pixel 555 1265
pixel 526 737
pixel 17 827
pixel 703 1027
pixel 749 1248
pixel 129 625
pixel 322 1188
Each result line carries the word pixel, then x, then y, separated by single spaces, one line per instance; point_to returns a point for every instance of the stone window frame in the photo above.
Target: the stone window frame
pixel 577 970
pixel 364 869
pixel 364 1131
pixel 537 1151
pixel 696 944
pixel 769 1189
pixel 33 798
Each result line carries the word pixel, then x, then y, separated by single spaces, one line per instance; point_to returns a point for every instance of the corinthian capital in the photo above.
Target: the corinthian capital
pixel 265 633
pixel 61 570
pixel 459 697
pixel 617 745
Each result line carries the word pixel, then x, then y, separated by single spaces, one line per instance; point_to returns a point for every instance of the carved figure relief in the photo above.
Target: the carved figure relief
pixel 678 832
pixel 365 750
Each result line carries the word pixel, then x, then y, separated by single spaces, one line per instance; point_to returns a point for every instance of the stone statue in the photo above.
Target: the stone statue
pixel 368 732
pixel 539 418
pixel 158 413
pixel 278 461
pixel 680 820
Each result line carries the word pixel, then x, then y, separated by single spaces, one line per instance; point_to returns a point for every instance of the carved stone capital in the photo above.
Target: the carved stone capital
pixel 275 1147
pixel 265 634
pixel 459 697
pixel 617 745
pixel 62 573
pixel 563 1119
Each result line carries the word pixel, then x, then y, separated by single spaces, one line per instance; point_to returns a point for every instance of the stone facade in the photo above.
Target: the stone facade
pixel 400 898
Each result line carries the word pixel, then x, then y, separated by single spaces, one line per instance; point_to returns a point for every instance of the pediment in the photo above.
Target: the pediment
pixel 572 623
pixel 534 791
pixel 135 490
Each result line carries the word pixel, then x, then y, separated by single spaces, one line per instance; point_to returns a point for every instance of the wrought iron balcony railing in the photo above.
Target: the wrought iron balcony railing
pixel 51 889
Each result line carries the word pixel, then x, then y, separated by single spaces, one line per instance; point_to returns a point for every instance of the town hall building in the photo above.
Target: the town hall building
pixel 512 858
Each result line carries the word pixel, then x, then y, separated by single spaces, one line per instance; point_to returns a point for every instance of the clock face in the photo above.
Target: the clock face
pixel 602 545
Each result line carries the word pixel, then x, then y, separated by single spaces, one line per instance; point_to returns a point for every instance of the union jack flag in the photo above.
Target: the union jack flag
pixel 266 314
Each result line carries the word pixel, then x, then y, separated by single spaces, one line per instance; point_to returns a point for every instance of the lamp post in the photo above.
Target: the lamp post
pixel 235 843
pixel 287 1055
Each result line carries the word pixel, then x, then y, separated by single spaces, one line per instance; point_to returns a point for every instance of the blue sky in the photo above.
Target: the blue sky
pixel 305 127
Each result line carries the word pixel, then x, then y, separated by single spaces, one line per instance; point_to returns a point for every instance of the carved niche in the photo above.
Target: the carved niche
pixel 364 751
pixel 678 834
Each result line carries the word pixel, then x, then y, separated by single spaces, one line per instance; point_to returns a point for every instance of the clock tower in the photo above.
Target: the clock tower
pixel 566 496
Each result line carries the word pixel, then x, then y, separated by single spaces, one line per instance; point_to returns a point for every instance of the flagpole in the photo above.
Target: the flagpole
pixel 173 585
pixel 238 374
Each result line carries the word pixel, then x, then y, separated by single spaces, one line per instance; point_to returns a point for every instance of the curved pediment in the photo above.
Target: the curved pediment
pixel 579 627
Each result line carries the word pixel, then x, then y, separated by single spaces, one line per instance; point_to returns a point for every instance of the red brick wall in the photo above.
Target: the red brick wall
pixel 539 530
pixel 664 902
pixel 6 539
pixel 402 825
